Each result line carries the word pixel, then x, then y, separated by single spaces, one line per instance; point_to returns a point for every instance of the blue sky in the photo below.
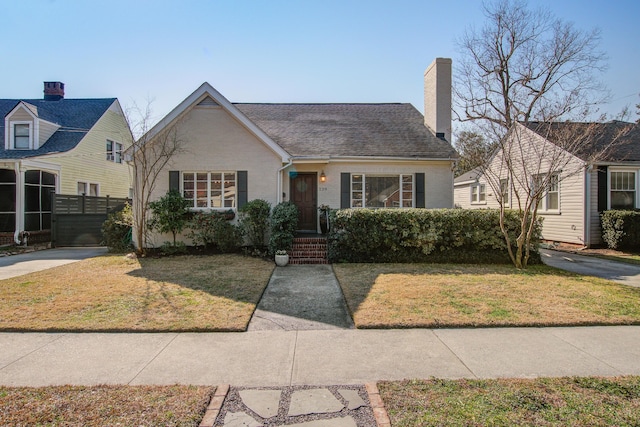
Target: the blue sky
pixel 268 50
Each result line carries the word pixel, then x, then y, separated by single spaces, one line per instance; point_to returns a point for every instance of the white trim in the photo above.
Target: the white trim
pixel 194 206
pixel 10 144
pixel 207 90
pixel 636 172
pixel 388 175
pixel 479 186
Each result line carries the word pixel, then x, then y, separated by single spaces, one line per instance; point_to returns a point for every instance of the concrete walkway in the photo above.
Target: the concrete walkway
pixel 301 297
pixel 17 265
pixel 319 357
pixel 626 274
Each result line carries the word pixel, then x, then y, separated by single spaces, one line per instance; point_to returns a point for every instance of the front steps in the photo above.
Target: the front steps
pixel 309 250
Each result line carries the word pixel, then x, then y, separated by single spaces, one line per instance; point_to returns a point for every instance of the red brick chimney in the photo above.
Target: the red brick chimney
pixel 53 91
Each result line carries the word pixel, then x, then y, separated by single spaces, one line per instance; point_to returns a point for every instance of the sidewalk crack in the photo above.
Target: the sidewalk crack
pixel 153 358
pixel 455 354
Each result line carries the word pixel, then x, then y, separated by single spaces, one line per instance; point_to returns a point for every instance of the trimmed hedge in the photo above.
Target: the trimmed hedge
pixel 621 229
pixel 423 235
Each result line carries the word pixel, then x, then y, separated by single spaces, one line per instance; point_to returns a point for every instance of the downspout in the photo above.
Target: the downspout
pixel 587 205
pixel 279 180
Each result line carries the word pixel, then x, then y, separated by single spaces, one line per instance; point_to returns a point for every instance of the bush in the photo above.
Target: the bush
pixel 211 229
pixel 284 221
pixel 177 248
pixel 254 222
pixel 169 214
pixel 422 235
pixel 116 230
pixel 621 229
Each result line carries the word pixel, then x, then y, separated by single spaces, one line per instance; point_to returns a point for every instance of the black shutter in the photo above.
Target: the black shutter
pixel 420 196
pixel 602 188
pixel 345 190
pixel 174 180
pixel 242 189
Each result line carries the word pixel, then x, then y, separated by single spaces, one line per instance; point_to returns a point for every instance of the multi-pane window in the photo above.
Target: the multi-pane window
pixel 87 189
pixel 7 200
pixel 550 198
pixel 114 151
pixel 38 187
pixel 209 189
pixel 21 136
pixel 623 190
pixel 478 193
pixel 504 191
pixel 382 191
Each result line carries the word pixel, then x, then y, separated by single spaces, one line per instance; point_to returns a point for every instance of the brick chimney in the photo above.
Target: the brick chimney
pixel 437 97
pixel 53 91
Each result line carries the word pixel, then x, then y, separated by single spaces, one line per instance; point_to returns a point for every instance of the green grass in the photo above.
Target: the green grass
pixel 448 295
pixel 509 402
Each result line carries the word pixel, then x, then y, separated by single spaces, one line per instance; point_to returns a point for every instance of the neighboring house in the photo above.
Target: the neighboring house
pixel 340 155
pixel 602 172
pixel 57 145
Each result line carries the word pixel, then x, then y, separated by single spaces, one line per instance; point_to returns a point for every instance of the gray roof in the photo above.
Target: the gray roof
pixel 323 130
pixel 472 175
pixel 75 116
pixel 613 141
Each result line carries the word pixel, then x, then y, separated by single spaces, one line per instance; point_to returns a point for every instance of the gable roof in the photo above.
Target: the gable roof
pixel 74 116
pixel 348 130
pixel 207 95
pixel 468 177
pixel 617 141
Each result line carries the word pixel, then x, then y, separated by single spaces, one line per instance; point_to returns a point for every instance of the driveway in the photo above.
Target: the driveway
pixel 627 274
pixel 17 265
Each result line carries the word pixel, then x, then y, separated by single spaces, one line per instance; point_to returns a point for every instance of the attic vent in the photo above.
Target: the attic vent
pixel 440 135
pixel 207 102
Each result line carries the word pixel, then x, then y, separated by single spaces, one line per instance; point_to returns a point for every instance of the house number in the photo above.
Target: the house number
pixel 322 188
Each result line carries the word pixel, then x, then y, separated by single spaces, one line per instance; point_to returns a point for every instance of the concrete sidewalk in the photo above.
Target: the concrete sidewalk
pixel 319 357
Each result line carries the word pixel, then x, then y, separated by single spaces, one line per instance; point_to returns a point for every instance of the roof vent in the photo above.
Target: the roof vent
pixel 440 135
pixel 53 91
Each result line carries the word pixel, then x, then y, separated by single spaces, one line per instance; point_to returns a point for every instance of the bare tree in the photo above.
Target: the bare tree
pixel 522 72
pixel 149 155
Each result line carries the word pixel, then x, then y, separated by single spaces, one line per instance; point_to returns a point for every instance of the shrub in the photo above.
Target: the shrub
pixel 422 235
pixel 177 248
pixel 254 221
pixel 621 229
pixel 169 214
pixel 116 230
pixel 284 221
pixel 212 229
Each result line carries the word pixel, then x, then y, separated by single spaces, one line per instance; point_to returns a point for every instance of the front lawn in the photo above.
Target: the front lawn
pixel 441 295
pixel 508 402
pixel 113 293
pixel 69 406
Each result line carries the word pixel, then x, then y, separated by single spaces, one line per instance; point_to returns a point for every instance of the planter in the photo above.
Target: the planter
pixel 282 260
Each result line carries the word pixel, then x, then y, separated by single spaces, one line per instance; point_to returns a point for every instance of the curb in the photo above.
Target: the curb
pixel 377 405
pixel 215 405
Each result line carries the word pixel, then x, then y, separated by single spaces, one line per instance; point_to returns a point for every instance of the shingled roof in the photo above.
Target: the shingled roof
pixel 348 130
pixel 74 116
pixel 614 141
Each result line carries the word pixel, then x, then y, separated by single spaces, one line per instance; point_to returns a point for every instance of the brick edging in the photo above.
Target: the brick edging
pixel 215 405
pixel 377 405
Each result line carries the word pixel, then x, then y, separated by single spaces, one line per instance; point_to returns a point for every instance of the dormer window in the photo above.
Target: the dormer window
pixel 21 136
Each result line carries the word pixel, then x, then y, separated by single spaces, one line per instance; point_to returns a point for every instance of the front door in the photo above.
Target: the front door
pixel 303 190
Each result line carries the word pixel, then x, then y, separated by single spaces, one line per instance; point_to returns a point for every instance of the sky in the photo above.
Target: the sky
pixel 360 51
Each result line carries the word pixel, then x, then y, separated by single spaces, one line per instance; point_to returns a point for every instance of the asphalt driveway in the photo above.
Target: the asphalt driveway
pixel 627 274
pixel 17 265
